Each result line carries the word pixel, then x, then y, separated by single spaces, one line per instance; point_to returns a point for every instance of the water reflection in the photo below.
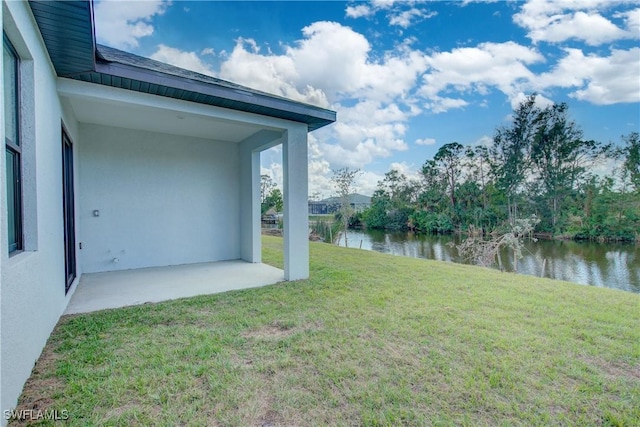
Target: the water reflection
pixel 598 264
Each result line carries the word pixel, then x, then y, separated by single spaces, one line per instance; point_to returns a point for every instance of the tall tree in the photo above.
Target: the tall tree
pixel 449 159
pixel 344 180
pixel 434 195
pixel 631 156
pixel 477 163
pixel 266 186
pixel 397 187
pixel 560 157
pixel 510 153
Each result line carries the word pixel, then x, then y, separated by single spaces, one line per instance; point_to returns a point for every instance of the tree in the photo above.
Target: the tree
pixel 274 200
pixel 448 160
pixel 343 180
pixel 477 163
pixel 433 197
pixel 510 153
pixel 631 154
pixel 270 195
pixel 392 202
pixel 560 158
pixel 266 186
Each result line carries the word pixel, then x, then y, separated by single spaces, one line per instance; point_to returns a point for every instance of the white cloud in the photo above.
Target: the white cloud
pixel 406 18
pixel 367 182
pixel 439 104
pixel 275 74
pixel 362 154
pixel 484 140
pixel 556 21
pixel 632 21
pixel 599 80
pixel 474 70
pixel 208 51
pixel 425 141
pixel 188 60
pixel 330 66
pixel 330 57
pixel 520 97
pixel 121 23
pixel 386 4
pixel 359 11
pixel 400 13
pixel 406 169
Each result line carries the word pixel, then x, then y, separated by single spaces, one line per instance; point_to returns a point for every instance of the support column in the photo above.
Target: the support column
pixel 250 148
pixel 296 217
pixel 250 210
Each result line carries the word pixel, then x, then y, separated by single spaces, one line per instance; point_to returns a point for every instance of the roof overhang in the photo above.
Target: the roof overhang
pixel 68 32
pixel 67 28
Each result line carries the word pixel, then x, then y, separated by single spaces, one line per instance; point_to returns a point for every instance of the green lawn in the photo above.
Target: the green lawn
pixel 369 339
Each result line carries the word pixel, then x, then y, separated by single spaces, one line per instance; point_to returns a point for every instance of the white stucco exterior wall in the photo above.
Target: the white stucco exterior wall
pixel 32 282
pixel 162 199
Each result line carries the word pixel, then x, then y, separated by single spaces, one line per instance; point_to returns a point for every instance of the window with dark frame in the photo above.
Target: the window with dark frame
pixel 68 211
pixel 11 66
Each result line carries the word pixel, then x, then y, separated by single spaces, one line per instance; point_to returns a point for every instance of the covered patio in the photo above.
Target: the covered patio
pixel 115 289
pixel 168 197
pixel 168 189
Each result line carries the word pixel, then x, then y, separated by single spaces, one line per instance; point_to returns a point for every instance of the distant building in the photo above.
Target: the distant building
pixel 331 205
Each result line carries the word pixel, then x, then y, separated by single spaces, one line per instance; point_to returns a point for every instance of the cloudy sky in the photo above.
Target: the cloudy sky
pixel 405 77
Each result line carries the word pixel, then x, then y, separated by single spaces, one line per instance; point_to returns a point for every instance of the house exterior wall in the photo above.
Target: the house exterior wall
pixel 32 294
pixel 162 199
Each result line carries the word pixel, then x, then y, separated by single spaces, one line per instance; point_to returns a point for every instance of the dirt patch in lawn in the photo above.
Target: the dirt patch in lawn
pixel 615 370
pixel 270 332
pixel 269 419
pixel 267 416
pixel 38 390
pixel 277 331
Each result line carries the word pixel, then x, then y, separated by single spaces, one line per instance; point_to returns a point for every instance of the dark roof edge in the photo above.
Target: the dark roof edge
pixel 93 32
pixel 68 30
pixel 240 94
pixel 67 59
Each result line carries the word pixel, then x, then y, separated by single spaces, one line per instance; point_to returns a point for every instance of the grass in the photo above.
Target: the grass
pixel 369 339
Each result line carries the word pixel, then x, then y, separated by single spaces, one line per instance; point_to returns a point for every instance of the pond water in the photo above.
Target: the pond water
pixel 610 265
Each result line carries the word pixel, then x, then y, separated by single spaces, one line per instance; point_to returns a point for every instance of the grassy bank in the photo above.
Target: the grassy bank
pixel 369 339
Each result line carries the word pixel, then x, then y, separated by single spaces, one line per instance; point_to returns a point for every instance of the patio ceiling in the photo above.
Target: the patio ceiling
pixel 154 119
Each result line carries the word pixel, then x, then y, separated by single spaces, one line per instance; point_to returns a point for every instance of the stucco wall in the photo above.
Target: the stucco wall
pixel 161 199
pixel 32 282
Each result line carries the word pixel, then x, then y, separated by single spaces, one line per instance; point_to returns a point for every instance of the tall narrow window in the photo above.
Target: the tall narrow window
pixel 11 66
pixel 68 211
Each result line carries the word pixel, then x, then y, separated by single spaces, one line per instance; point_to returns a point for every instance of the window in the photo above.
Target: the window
pixel 68 210
pixel 11 66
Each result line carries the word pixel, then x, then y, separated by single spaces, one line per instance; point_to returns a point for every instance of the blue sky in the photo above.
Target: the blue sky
pixel 405 77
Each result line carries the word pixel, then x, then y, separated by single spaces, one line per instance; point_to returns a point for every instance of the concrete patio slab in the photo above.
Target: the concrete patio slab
pixel 99 291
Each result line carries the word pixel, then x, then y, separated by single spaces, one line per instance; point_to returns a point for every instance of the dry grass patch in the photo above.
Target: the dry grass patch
pixel 42 387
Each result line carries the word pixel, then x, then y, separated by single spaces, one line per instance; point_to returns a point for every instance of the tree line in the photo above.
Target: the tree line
pixel 539 165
